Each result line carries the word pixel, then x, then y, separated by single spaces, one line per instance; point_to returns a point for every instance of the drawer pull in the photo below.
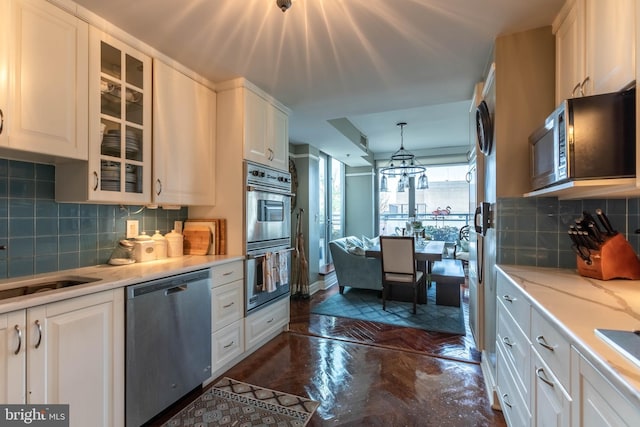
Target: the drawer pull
pixel 228 273
pixel 19 333
pixel 270 320
pixel 508 298
pixel 540 340
pixel 505 399
pixel 229 345
pixel 507 342
pixel 228 305
pixel 541 374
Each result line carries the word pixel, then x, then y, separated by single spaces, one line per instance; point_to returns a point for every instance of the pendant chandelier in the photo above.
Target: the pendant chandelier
pixel 403 164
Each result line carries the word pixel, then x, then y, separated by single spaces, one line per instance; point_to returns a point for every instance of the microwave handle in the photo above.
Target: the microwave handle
pixel 251 188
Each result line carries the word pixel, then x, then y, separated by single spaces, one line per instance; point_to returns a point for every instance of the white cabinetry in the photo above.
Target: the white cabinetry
pixel 119 166
pixel 597 402
pixel 71 352
pixel 227 304
pixel 266 323
pixel 514 353
pixel 43 82
pixel 13 357
pixel 184 123
pixel 259 122
pixel 595 47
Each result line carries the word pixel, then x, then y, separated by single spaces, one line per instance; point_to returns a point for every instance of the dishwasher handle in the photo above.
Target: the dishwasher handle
pixel 175 289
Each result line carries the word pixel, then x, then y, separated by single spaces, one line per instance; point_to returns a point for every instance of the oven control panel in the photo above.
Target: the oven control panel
pixel 257 174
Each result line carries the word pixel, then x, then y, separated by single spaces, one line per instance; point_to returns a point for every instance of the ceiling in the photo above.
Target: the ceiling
pixel 366 63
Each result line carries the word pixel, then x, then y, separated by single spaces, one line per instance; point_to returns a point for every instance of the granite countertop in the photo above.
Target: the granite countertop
pixel 578 305
pixel 109 277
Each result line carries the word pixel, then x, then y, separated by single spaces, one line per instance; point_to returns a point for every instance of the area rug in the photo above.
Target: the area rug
pixel 366 304
pixel 234 403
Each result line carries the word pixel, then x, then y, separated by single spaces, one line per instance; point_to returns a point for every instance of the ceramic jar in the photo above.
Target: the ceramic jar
pixel 174 243
pixel 160 245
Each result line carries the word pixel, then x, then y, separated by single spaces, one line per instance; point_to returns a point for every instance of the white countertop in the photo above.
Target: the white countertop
pixel 110 277
pixel 578 305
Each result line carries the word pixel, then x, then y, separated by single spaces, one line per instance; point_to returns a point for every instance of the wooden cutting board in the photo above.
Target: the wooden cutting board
pixel 197 240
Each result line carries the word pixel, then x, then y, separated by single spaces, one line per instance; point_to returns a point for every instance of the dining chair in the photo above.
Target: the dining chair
pixel 398 262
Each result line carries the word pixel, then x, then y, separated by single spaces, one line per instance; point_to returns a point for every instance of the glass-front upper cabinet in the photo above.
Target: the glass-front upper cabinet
pixel 120 121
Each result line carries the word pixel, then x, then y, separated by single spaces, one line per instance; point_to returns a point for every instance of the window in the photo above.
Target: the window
pixel 442 208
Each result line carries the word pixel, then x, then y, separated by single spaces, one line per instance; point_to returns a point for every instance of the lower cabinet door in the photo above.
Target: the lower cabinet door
pixel 13 357
pixel 265 323
pixel 76 357
pixel 514 406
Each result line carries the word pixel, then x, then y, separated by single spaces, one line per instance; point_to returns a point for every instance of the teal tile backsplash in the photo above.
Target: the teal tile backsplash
pixel 42 236
pixel 533 231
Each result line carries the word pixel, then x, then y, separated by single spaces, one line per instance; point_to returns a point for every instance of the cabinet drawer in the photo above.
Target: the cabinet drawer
pixel 516 348
pixel 515 303
pixel 552 346
pixel 227 304
pixel 258 326
pixel 550 399
pixel 226 344
pixel 515 410
pixel 227 273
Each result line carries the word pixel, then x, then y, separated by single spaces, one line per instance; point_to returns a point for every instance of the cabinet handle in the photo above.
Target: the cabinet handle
pixel 1 121
pixel 228 273
pixel 96 180
pixel 543 376
pixel 270 320
pixel 467 177
pixel 39 326
pixel 19 333
pixel 229 345
pixel 540 340
pixel 576 87
pixel 507 298
pixel 159 187
pixel 505 399
pixel 507 342
pixel 270 154
pixel 586 79
pixel 228 305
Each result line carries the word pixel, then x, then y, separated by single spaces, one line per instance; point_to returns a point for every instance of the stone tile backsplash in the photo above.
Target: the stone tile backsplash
pixel 533 231
pixel 40 235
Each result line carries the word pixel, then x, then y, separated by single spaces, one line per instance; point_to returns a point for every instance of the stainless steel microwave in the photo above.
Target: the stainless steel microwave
pixel 591 137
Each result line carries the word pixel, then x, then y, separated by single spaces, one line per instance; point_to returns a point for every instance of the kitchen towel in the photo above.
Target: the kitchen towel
pixel 269 268
pixel 283 268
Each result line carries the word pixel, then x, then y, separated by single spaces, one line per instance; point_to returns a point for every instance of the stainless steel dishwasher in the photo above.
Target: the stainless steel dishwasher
pixel 168 345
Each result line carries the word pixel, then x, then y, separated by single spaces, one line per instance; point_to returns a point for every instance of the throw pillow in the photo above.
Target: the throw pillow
pixel 370 242
pixel 354 246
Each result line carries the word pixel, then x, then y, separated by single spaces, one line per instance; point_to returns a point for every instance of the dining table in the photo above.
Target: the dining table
pixel 427 252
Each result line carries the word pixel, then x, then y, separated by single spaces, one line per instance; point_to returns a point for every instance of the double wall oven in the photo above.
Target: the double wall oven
pixel 268 235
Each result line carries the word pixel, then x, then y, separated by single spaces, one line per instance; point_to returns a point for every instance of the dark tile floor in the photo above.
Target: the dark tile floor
pixel 367 374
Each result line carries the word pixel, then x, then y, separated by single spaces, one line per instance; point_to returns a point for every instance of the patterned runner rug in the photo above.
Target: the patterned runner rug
pixel 234 403
pixel 366 304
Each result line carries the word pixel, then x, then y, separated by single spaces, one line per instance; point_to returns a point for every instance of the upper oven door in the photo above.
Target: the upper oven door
pixel 268 214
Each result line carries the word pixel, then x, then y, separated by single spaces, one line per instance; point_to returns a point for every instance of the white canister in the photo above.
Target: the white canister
pixel 160 245
pixel 174 243
pixel 143 248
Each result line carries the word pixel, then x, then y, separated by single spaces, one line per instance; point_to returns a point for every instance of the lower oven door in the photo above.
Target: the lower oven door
pixel 267 283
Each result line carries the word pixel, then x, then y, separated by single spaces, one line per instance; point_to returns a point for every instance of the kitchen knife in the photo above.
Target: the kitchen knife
pixel 589 219
pixel 589 241
pixel 605 222
pixel 578 248
pixel 595 232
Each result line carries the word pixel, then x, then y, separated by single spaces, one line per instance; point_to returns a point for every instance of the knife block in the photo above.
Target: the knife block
pixel 615 259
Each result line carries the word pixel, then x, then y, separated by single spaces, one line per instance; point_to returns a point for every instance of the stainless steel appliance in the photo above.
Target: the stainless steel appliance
pixel 591 137
pixel 268 233
pixel 168 342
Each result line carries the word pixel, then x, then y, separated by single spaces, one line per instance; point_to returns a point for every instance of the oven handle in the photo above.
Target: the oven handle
pixel 263 255
pixel 269 190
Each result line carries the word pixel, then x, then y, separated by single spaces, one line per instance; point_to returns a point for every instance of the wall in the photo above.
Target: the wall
pixel 533 231
pixel 306 158
pixel 360 212
pixel 42 236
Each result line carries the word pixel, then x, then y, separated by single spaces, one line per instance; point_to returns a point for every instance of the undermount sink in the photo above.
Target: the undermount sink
pixel 37 286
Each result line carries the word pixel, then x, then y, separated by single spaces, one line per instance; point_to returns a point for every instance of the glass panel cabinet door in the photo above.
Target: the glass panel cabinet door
pixel 120 133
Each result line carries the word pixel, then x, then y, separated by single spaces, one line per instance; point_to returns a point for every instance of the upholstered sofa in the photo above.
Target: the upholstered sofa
pixel 352 268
